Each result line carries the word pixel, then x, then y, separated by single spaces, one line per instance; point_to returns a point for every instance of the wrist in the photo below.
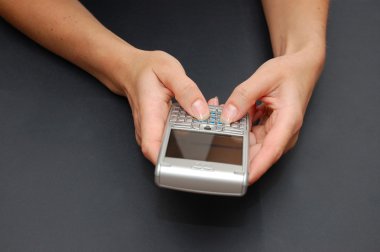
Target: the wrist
pixel 112 64
pixel 313 51
pixel 310 60
pixel 309 56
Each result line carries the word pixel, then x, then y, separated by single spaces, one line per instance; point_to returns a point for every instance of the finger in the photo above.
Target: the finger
pixel 186 92
pixel 257 116
pixel 138 138
pixel 274 145
pixel 214 101
pixel 260 133
pixel 251 115
pixel 151 133
pixel 266 112
pixel 291 143
pixel 136 122
pixel 247 93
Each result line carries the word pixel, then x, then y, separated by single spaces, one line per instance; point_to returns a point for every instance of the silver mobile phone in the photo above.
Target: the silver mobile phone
pixel 204 156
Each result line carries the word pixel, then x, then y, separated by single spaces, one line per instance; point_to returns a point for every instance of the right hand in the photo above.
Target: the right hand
pixel 153 78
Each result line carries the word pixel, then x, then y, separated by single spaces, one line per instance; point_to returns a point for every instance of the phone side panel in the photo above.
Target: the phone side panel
pixel 161 155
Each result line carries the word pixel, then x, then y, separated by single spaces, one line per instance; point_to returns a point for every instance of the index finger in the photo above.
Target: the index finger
pixel 284 127
pixel 185 90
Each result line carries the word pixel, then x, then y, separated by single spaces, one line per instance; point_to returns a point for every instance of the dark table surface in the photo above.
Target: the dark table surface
pixel 73 179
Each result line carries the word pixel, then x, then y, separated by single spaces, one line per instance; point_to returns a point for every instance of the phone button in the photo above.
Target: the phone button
pixel 195 125
pixel 182 125
pixel 207 127
pixel 219 128
pixel 173 119
pixel 232 130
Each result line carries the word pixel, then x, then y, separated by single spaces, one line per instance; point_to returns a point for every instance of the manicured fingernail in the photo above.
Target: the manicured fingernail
pixel 229 113
pixel 200 110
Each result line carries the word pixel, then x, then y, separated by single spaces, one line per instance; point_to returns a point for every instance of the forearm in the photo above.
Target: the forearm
pixel 297 24
pixel 66 28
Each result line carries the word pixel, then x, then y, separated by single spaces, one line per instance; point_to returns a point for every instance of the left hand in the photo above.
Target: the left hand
pixel 284 86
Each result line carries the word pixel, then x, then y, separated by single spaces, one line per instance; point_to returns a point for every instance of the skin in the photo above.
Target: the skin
pixel 285 83
pixel 150 79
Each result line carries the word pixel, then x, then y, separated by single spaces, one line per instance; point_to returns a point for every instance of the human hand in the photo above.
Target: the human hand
pixel 284 86
pixel 152 79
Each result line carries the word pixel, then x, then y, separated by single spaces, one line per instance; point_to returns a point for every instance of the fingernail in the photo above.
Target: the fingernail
pixel 200 110
pixel 214 101
pixel 229 113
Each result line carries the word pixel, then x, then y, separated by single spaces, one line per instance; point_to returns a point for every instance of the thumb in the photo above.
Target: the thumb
pixel 185 90
pixel 246 94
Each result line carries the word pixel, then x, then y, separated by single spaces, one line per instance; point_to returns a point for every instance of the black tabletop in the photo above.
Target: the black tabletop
pixel 73 179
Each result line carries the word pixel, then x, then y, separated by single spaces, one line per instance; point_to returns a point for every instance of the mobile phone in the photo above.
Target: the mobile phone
pixel 204 156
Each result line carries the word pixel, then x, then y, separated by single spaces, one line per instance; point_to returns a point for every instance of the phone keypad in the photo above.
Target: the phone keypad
pixel 180 119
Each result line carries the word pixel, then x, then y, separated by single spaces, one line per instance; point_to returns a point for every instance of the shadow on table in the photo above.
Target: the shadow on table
pixel 208 210
pixel 219 211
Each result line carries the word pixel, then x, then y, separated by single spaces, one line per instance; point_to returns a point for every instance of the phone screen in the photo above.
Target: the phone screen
pixel 205 147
